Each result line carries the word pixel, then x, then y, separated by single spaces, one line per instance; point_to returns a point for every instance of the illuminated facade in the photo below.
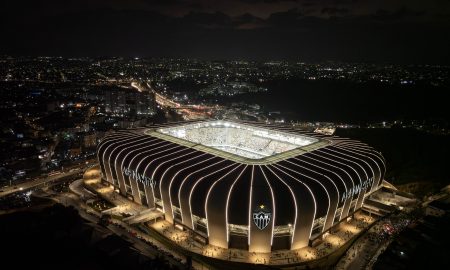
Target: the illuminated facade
pixel 243 185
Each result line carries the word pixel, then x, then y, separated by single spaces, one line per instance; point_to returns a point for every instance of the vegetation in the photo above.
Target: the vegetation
pixel 416 160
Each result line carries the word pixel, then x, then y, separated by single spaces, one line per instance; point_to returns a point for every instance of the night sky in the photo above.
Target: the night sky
pixel 400 31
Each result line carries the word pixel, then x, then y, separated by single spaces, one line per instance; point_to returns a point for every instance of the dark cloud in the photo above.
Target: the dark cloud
pixel 165 2
pixel 309 4
pixel 266 1
pixel 399 14
pixel 286 18
pixel 211 29
pixel 332 11
pixel 248 21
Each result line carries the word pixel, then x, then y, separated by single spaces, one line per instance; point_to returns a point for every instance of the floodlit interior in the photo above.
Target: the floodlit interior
pixel 239 139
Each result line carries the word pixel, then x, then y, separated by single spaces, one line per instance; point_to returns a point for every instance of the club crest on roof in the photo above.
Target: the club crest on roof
pixel 261 217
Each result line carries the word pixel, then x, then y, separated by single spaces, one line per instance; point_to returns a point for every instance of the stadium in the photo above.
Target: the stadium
pixel 245 185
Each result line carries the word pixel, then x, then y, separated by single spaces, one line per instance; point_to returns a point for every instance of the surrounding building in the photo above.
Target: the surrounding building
pixel 129 102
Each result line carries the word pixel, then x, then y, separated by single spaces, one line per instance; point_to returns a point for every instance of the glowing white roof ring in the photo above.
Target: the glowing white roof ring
pixel 240 139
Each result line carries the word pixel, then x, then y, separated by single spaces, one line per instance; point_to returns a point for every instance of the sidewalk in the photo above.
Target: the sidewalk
pixel 330 243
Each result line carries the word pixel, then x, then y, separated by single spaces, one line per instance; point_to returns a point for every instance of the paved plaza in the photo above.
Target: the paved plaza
pixel 330 243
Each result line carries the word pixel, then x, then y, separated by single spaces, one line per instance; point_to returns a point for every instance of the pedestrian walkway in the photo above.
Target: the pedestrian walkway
pixel 330 242
pixel 364 251
pixel 123 205
pixel 144 216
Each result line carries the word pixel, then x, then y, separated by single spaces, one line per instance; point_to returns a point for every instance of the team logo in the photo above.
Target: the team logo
pixel 261 217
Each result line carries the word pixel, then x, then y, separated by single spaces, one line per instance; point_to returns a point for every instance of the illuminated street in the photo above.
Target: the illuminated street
pixel 42 181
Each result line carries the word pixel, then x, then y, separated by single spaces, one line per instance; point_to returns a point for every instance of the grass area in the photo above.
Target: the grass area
pixel 62 187
pixel 58 238
pixel 18 201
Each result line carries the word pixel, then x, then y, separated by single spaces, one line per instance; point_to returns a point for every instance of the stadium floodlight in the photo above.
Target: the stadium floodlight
pixel 239 139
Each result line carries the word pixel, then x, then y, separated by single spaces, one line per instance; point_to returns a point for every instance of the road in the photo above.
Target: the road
pixel 365 250
pixel 70 199
pixel 77 188
pixel 73 199
pixel 165 102
pixel 37 182
pixel 359 254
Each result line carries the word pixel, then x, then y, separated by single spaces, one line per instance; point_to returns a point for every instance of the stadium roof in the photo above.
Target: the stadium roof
pixel 324 180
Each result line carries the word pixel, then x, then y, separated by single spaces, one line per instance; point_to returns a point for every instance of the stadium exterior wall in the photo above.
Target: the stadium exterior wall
pixel 227 201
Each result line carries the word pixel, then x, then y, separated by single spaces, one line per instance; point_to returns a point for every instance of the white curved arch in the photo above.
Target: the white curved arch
pixel 180 149
pixel 182 185
pixel 364 154
pixel 228 200
pixel 274 206
pixel 347 200
pixel 190 152
pixel 209 191
pixel 151 141
pixel 168 146
pixel 170 183
pixel 356 172
pixel 359 203
pixel 176 174
pixel 295 201
pixel 127 146
pixel 106 160
pixel 325 188
pixel 195 185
